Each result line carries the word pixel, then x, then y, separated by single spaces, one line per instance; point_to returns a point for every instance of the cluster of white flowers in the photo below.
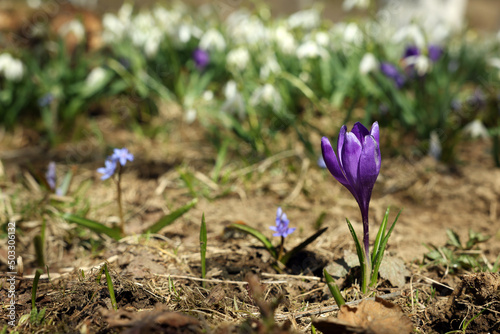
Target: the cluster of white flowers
pixel 11 68
pixel 267 95
pixel 147 29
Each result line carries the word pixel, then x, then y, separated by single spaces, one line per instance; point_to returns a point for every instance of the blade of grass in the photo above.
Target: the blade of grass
pixel 203 248
pixel 170 218
pixel 221 157
pixel 302 245
pixel 380 235
pixel 380 254
pixel 93 225
pixel 261 237
pixel 38 273
pixel 334 289
pixel 111 289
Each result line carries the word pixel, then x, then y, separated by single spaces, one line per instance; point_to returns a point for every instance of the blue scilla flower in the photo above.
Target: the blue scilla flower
pixel 108 170
pixel 121 155
pixel 281 228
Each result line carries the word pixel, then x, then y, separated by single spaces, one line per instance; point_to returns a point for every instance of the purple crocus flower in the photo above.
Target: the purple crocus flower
pixel 434 52
pixel 411 51
pixel 357 166
pixel 50 175
pixel 201 58
pixel 108 170
pixel 390 71
pixel 121 155
pixel 281 228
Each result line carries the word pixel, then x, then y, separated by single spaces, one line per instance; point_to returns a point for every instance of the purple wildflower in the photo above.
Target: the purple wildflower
pixel 201 58
pixel 390 71
pixel 50 175
pixel 108 170
pixel 411 51
pixel 121 155
pixel 434 52
pixel 356 165
pixel 281 228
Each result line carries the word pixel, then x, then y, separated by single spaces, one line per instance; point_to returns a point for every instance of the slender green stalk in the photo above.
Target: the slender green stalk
pixel 280 252
pixel 119 199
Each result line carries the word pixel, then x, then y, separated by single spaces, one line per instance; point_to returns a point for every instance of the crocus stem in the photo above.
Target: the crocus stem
pixel 280 252
pixel 366 243
pixel 119 199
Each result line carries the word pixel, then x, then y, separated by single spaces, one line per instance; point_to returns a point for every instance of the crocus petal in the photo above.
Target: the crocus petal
pixel 340 142
pixel 351 152
pixel 368 170
pixel 375 133
pixel 332 163
pixel 360 131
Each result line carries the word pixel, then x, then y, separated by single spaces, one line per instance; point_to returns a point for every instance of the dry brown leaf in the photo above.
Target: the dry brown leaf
pixel 369 317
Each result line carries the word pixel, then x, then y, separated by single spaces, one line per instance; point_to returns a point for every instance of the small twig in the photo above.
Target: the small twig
pixel 430 280
pixel 300 277
pixel 327 309
pixel 217 280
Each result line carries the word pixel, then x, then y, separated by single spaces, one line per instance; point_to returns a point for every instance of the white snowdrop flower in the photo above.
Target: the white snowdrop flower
pixel 234 103
pixel 238 58
pixel 152 44
pixel 208 95
pixel 352 34
pixel 422 64
pixel 350 4
pixel 12 69
pixel 74 27
pixel 188 31
pixel 305 76
pixel 322 38
pixel 267 95
pixel 167 21
pixel 476 129
pixel 250 31
pixel 113 28
pixel 190 115
pixel 271 66
pixel 306 19
pixel 284 40
pixel 212 39
pixel 142 26
pixel 184 33
pixel 95 76
pixel 311 49
pixel 369 63
pixel 230 89
pixel 410 33
pixel 125 12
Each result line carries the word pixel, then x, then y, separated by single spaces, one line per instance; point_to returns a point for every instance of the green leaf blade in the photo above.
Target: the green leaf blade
pixel 256 234
pixel 170 218
pixel 302 245
pixel 93 225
